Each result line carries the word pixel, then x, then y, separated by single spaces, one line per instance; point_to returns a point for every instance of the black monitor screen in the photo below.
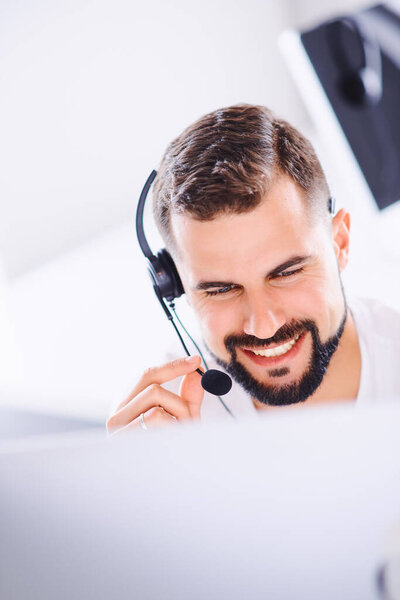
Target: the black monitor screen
pixel 366 100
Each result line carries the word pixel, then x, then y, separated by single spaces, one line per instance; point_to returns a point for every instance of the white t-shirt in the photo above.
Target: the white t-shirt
pixel 378 327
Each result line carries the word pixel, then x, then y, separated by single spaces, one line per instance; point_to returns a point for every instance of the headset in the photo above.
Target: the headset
pixel 168 287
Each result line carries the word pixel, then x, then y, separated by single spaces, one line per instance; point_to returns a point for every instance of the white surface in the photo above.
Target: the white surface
pixel 94 90
pixel 87 324
pixel 10 359
pixel 309 13
pixel 293 505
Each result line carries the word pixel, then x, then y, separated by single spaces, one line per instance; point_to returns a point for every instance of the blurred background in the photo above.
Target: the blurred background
pixel 91 94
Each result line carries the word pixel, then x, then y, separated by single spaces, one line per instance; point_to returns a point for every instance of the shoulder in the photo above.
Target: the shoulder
pixel 378 328
pixel 373 317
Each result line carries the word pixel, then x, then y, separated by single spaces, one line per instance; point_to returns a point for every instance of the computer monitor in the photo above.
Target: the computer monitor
pixel 298 503
pixel 356 61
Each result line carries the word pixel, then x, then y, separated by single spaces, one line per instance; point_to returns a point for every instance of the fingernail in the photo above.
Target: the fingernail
pixel 191 360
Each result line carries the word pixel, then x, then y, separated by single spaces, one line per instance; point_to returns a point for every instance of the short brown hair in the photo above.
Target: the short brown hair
pixel 226 161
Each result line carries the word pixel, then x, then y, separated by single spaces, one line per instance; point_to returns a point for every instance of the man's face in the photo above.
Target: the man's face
pixel 266 289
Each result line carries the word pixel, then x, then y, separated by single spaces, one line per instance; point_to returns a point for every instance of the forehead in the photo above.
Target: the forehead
pixel 278 228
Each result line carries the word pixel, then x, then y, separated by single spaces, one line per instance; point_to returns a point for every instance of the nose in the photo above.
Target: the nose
pixel 263 316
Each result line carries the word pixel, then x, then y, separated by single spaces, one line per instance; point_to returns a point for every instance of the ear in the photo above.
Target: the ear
pixel 341 237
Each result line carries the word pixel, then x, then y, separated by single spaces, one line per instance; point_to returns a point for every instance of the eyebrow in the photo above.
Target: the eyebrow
pixel 292 262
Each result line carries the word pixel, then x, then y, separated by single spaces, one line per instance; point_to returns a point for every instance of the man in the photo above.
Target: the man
pixel 242 204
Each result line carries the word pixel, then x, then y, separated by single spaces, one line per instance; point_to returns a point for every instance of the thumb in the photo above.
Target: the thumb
pixel 192 392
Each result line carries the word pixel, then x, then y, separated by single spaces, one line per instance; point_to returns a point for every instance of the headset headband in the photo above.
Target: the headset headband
pixel 144 246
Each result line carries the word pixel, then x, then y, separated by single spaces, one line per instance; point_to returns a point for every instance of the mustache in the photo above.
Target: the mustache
pixel 284 333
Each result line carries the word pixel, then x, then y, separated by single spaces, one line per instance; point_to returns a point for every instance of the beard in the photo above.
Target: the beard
pixel 286 394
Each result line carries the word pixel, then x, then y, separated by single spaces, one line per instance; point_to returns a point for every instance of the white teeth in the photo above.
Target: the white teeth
pixel 278 350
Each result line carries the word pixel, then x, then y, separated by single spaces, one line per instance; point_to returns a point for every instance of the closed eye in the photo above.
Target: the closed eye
pixel 216 289
pixel 290 273
pixel 221 290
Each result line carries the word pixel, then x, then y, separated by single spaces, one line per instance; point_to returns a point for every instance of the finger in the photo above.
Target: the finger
pixel 152 396
pixel 167 372
pixel 153 418
pixel 192 392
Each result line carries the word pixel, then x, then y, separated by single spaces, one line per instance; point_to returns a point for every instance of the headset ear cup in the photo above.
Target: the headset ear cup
pixel 175 287
pixel 165 277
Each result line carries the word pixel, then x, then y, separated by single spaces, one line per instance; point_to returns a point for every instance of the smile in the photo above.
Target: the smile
pixel 277 350
pixel 277 355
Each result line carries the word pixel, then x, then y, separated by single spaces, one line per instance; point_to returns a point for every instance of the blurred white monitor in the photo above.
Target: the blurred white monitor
pixel 295 504
pixel 21 424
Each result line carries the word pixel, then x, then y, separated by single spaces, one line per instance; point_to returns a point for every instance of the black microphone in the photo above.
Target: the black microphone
pixel 215 382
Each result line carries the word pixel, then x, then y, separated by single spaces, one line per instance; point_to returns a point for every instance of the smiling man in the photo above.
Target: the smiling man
pixel 243 206
pixel 266 289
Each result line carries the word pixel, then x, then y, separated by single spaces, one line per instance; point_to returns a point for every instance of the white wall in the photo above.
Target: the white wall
pixel 309 13
pixel 92 92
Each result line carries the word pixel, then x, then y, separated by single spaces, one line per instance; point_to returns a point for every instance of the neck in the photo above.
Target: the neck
pixel 342 379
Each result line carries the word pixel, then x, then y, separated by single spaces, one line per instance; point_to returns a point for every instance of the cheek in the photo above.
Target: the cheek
pixel 306 300
pixel 217 320
pixel 318 298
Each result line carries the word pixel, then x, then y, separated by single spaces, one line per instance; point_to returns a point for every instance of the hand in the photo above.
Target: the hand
pixel 160 406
